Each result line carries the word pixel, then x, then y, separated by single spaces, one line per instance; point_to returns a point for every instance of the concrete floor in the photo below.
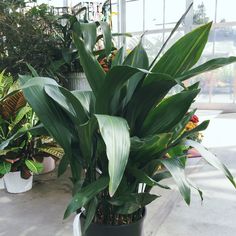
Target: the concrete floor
pixel 39 212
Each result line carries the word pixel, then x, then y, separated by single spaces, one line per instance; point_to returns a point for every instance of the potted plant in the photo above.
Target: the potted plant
pixel 21 150
pixel 116 136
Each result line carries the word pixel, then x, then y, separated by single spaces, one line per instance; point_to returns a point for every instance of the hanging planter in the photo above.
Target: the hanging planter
pixel 134 229
pixel 2 186
pixel 16 184
pixel 78 81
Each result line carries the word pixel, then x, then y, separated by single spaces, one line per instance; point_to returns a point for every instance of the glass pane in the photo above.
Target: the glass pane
pixel 153 14
pixel 226 11
pixel 204 11
pixel 173 10
pixel 134 15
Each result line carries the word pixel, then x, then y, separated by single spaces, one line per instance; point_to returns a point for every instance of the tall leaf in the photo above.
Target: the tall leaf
pixel 184 53
pixel 168 113
pixel 115 134
pixel 107 37
pixel 94 76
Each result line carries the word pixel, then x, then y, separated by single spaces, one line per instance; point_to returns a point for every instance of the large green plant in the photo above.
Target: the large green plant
pixel 117 135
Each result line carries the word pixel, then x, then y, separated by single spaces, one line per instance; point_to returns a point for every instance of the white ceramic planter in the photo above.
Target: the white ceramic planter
pixel 78 81
pixel 2 186
pixel 49 165
pixel 15 184
pixel 77 226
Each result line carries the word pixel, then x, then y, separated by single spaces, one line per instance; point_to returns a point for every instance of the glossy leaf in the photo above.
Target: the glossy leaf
pixel 87 193
pixel 118 59
pixel 115 134
pixel 185 53
pixel 95 76
pixel 107 37
pixel 211 159
pixel 34 166
pixel 5 167
pixel 176 169
pixel 168 113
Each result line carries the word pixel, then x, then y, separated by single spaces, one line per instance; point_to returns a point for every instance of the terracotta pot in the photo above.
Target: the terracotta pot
pixel 49 165
pixel 134 229
pixel 78 81
pixel 15 184
pixel 2 185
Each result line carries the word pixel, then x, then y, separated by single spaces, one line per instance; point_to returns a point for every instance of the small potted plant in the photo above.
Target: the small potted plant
pixel 21 148
pixel 116 136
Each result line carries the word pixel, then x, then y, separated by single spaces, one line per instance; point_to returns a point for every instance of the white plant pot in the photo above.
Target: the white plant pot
pixel 77 226
pixel 49 165
pixel 2 185
pixel 78 81
pixel 15 184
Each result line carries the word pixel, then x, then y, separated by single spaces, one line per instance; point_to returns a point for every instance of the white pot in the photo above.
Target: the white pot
pixel 77 226
pixel 49 165
pixel 78 81
pixel 15 184
pixel 2 186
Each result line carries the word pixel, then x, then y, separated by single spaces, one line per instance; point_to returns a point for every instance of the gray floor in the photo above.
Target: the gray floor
pixel 39 211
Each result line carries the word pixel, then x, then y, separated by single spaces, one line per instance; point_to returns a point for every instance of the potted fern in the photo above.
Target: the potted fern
pixel 117 135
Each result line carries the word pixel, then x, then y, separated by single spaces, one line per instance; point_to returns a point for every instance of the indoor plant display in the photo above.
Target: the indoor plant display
pixel 116 136
pixel 20 149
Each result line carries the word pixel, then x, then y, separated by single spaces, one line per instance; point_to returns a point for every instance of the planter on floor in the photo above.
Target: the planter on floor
pixel 78 81
pixel 49 165
pixel 15 184
pixel 134 229
pixel 2 186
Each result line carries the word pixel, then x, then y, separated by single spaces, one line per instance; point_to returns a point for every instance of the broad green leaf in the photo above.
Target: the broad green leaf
pixel 211 159
pixel 115 134
pixel 5 167
pixel 168 113
pixel 107 102
pixel 176 169
pixel 118 59
pixel 146 97
pixel 95 76
pixel 185 53
pixel 107 37
pixel 85 195
pixel 208 66
pixel 68 102
pixel 86 99
pixel 50 113
pixel 34 166
pixel 132 202
pixel 19 116
pixel 142 177
pixel 89 32
pixel 90 213
pixel 148 148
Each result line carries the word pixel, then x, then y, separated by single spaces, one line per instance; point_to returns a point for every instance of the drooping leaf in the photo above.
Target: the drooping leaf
pixel 63 165
pixel 87 193
pixel 90 213
pixel 176 169
pixel 34 166
pixel 115 134
pixel 208 66
pixel 211 159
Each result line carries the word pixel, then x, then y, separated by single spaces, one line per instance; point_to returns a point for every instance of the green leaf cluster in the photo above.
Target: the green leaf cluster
pixel 117 136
